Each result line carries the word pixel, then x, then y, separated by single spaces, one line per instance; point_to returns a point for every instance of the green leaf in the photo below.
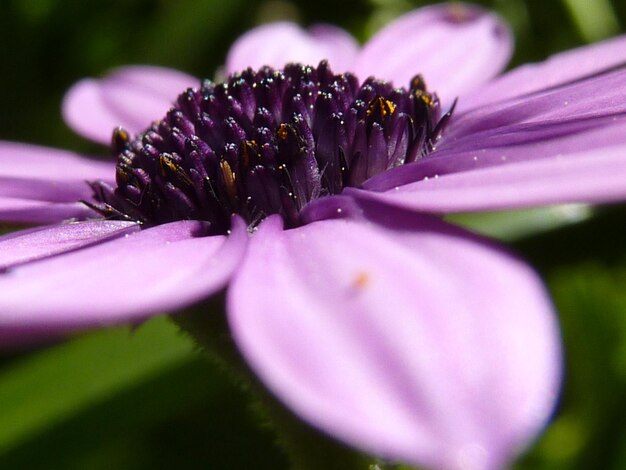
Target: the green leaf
pixel 48 386
pixel 589 429
pixel 595 20
pixel 517 224
pixel 186 416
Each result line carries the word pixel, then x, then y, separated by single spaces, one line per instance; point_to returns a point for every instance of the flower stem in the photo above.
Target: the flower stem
pixel 306 448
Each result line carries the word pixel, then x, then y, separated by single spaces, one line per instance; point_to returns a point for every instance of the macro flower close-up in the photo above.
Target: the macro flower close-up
pixel 306 186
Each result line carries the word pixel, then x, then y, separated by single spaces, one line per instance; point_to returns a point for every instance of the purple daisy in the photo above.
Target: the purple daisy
pixel 312 193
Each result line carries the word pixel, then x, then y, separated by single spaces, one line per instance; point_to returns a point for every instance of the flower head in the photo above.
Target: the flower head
pixel 364 313
pixel 266 142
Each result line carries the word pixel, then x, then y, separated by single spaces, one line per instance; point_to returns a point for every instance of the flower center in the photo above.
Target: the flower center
pixel 267 142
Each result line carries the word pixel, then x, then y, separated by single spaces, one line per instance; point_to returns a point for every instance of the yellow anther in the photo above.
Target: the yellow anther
pixel 166 163
pixel 381 107
pixel 417 82
pixel 229 180
pixel 121 175
pixel 283 131
pixel 426 98
pixel 248 146
pixel 120 139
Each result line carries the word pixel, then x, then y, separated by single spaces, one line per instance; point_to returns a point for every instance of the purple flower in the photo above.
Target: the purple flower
pixel 351 300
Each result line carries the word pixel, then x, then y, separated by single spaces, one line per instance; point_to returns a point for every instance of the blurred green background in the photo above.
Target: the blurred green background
pixel 146 398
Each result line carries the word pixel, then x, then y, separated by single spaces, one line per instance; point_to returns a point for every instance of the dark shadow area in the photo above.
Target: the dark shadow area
pixel 184 418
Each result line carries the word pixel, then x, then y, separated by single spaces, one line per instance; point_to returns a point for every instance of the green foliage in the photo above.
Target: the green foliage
pixel 585 269
pixel 126 399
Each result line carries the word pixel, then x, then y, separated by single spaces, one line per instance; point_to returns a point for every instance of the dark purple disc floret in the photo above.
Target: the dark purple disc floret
pixel 267 142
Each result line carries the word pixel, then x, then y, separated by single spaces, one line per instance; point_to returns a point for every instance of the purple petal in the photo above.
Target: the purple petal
pixel 595 97
pixel 131 277
pixel 592 176
pixel 503 146
pixel 276 44
pixel 43 185
pixel 47 164
pixel 413 341
pixel 50 191
pixel 43 242
pixel 341 47
pixel 561 68
pixel 28 211
pixel 456 47
pixel 131 97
